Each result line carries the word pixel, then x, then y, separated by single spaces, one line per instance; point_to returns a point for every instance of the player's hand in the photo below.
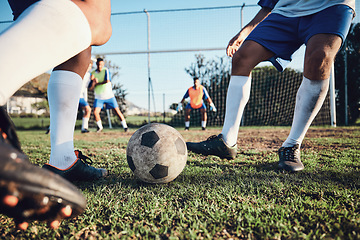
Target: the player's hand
pixel 212 107
pixel 237 41
pixel 179 107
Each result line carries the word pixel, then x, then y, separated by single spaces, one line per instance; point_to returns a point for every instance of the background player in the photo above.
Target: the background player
pixel 83 102
pixel 196 93
pixel 322 26
pixel 47 33
pixel 101 84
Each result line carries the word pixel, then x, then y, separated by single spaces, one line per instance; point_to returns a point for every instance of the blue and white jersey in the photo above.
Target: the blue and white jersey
pixel 299 8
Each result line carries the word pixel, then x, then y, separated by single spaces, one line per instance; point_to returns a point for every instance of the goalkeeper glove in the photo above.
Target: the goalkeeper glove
pixel 212 107
pixel 179 107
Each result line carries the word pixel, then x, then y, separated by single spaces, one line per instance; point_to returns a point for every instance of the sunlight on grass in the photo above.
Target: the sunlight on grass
pixel 245 198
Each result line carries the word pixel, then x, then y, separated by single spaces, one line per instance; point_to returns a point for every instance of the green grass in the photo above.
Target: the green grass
pixel 43 122
pixel 245 198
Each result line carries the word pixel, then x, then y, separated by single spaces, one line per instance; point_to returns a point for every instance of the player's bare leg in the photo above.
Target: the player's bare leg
pixel 97 111
pixel 85 119
pixel 87 111
pixel 187 118
pixel 121 117
pixel 203 118
pixel 319 56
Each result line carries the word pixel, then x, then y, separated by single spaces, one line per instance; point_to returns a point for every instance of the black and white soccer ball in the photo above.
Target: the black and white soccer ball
pixel 156 153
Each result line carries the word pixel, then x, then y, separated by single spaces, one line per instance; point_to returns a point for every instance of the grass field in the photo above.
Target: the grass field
pixel 44 122
pixel 245 198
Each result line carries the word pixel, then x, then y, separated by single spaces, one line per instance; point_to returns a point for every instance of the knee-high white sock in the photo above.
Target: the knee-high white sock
pixel 99 124
pixel 123 123
pixel 238 95
pixel 46 34
pixel 309 99
pixel 63 93
pixel 85 123
pixel 203 124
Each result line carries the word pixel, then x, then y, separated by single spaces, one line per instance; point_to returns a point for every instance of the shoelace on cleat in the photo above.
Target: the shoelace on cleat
pixel 211 138
pixel 84 158
pixel 289 153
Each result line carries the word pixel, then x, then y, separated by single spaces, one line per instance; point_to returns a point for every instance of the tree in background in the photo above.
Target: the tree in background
pixel 351 49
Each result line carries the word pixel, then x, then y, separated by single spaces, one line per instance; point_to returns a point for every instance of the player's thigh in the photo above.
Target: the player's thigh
pixel 97 110
pixel 248 56
pixel 98 14
pixel 320 53
pixel 324 32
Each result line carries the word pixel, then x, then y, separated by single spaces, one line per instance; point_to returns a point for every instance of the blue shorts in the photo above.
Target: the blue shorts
pixel 188 106
pixel 18 6
pixel 83 103
pixel 284 35
pixel 109 103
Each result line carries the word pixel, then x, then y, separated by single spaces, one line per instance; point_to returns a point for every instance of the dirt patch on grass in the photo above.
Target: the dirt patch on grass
pixel 258 139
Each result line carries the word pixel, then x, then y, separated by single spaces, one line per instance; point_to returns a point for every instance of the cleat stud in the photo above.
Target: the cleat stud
pixel 55 224
pixel 23 226
pixel 66 211
pixel 10 200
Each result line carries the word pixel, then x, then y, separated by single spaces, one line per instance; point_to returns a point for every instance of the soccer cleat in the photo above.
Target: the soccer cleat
pixel 84 131
pixel 126 129
pixel 186 128
pixel 80 170
pixel 28 192
pixel 202 128
pixel 289 158
pixel 7 130
pixel 214 145
pixel 99 129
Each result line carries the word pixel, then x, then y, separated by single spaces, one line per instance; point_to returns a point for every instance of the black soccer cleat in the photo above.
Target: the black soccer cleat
pixel 28 192
pixel 84 130
pixel 80 170
pixel 7 130
pixel 214 145
pixel 186 129
pixel 289 158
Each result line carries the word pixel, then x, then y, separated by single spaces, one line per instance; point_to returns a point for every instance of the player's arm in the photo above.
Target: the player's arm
pixel 238 39
pixel 106 79
pixel 179 107
pixel 93 82
pixel 208 99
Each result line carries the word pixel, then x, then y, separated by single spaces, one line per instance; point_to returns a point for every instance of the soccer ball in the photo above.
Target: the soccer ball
pixel 156 153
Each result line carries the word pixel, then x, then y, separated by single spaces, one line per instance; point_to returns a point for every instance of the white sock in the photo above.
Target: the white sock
pixel 46 34
pixel 85 123
pixel 99 124
pixel 238 95
pixel 187 124
pixel 63 94
pixel 123 123
pixel 203 124
pixel 309 99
